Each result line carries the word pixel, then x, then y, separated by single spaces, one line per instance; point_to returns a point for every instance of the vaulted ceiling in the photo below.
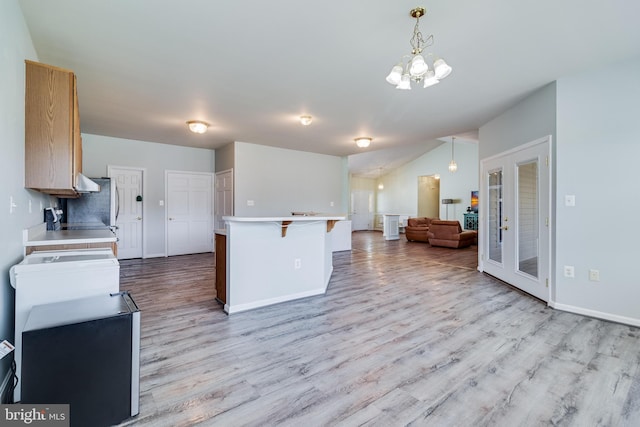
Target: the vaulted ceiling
pixel 251 67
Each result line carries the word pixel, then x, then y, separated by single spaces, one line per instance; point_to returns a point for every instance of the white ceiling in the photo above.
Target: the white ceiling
pixel 251 67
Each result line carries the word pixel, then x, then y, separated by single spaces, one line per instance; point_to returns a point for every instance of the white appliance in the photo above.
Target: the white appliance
pixel 54 276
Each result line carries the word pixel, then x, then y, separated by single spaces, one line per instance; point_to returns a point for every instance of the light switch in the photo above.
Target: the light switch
pixel 161 203
pixel 569 200
pixel 250 203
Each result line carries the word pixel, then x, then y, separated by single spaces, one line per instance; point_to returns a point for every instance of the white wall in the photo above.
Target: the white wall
pixel 100 151
pixel 597 156
pixel 15 47
pixel 592 118
pixel 400 194
pixel 280 181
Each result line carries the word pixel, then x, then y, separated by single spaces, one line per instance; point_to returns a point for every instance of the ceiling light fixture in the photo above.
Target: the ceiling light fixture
pixel 197 126
pixel 453 166
pixel 417 69
pixel 363 141
pixel 306 120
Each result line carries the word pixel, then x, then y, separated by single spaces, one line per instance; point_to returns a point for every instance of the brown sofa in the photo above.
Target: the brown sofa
pixel 449 234
pixel 417 228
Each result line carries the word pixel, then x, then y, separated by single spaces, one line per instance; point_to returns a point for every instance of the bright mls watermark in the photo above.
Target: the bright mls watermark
pixel 34 415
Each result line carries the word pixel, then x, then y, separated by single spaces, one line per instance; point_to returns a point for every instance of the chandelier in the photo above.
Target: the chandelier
pixel 416 69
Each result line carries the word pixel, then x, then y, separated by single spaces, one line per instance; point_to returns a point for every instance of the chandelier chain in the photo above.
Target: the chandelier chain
pixel 417 42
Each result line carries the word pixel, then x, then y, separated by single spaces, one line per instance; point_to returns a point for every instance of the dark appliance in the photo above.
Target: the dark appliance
pixel 52 217
pixel 85 353
pixel 92 210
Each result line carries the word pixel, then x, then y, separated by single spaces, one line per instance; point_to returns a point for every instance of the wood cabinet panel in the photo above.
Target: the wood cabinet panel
pixel 221 268
pixel 53 150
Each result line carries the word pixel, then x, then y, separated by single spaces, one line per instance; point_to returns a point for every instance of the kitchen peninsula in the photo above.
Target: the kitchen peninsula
pixel 275 259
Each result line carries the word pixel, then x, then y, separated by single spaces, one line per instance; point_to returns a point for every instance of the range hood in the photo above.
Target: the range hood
pixel 85 185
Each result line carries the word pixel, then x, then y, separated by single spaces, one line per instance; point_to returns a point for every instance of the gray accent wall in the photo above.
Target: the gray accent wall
pixel 15 47
pixel 225 157
pixel 98 152
pixel 593 120
pixel 598 114
pixel 280 181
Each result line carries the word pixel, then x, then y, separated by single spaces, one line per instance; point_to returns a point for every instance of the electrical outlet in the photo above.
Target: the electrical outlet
pixel 331 203
pixel 594 275
pixel 569 200
pixel 569 271
pixel 297 264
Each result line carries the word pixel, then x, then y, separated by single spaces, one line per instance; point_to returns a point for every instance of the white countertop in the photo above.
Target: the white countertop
pixel 39 236
pixel 295 218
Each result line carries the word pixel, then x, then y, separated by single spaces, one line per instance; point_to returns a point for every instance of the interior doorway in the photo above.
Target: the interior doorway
pixel 429 196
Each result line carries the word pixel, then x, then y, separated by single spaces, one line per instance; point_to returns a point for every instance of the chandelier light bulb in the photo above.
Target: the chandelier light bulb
pixel 197 126
pixel 430 79
pixel 395 75
pixel 418 66
pixel 442 68
pixel 405 83
pixel 381 186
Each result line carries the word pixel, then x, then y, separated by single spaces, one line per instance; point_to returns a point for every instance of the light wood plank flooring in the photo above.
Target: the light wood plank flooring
pixel 407 334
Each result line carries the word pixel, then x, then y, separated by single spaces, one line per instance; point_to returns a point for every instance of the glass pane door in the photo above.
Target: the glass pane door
pixel 528 218
pixel 494 215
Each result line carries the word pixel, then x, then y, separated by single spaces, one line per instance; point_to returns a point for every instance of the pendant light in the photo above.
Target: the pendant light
pixel 453 166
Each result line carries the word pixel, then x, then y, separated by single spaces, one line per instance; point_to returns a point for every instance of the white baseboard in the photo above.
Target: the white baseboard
pixel 270 301
pixel 4 387
pixel 597 314
pixel 154 255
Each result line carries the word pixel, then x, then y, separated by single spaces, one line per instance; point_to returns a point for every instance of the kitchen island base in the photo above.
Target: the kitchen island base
pixel 273 260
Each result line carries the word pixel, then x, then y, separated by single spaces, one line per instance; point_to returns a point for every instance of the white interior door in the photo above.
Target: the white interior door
pixel 515 212
pixel 189 213
pixel 362 210
pixel 224 197
pixel 129 210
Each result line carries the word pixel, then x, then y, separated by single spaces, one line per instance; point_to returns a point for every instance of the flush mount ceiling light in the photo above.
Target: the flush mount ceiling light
pixel 453 166
pixel 416 69
pixel 197 126
pixel 306 120
pixel 363 141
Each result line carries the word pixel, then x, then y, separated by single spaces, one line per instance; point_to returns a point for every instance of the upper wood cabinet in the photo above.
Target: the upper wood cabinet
pixel 53 145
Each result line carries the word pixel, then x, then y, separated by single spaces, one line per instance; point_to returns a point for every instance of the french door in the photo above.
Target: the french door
pixel 515 209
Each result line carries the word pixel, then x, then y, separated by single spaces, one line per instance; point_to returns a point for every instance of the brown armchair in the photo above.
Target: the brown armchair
pixel 449 234
pixel 417 228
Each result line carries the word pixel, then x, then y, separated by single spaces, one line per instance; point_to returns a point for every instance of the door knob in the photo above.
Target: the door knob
pixel 170 219
pixel 139 218
pixel 505 227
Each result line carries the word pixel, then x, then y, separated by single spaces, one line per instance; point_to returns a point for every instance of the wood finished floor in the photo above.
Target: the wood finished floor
pixel 406 334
